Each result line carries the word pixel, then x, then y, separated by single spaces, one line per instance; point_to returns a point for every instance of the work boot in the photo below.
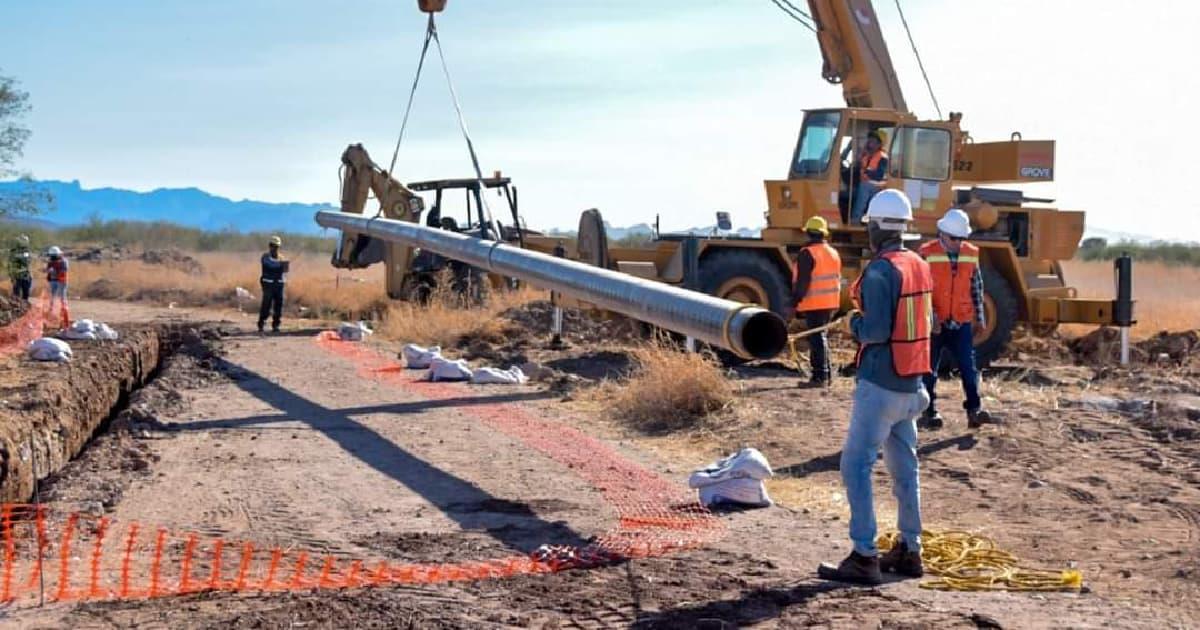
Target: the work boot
pixel 855 569
pixel 979 417
pixel 931 420
pixel 816 382
pixel 900 560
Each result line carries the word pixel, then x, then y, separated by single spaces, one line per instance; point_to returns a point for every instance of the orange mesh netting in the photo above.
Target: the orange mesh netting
pixel 16 335
pixel 656 515
pixel 74 556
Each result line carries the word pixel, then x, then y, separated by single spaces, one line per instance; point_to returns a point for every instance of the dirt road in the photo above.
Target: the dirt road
pixel 283 442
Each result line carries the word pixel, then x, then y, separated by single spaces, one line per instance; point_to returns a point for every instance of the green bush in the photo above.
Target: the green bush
pixel 1158 251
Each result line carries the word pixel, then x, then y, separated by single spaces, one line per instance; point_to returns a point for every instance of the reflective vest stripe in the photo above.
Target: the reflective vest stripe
pixel 911 327
pixel 825 285
pixel 952 299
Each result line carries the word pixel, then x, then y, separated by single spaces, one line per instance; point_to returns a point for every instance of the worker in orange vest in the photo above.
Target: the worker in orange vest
pixel 958 304
pixel 817 292
pixel 894 297
pixel 56 276
pixel 872 174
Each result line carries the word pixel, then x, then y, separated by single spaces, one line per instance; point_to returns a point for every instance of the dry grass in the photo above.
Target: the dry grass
pixel 1166 295
pixel 448 318
pixel 314 287
pixel 668 389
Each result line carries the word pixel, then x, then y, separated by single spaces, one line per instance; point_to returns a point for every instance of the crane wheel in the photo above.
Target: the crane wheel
pixel 746 276
pixel 1000 308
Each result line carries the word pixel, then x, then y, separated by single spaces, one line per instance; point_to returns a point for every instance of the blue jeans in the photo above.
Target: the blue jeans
pixel 862 196
pixel 58 290
pixel 882 418
pixel 960 342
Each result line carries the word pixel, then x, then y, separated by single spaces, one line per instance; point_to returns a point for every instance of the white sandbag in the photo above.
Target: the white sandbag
pixel 490 375
pixel 741 491
pixel 354 332
pixel 418 358
pixel 443 369
pixel 746 463
pixel 103 331
pixel 81 329
pixel 49 349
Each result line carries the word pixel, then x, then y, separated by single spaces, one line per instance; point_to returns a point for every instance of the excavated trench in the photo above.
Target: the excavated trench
pixel 50 413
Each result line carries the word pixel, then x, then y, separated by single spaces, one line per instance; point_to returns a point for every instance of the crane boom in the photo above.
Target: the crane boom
pixel 855 54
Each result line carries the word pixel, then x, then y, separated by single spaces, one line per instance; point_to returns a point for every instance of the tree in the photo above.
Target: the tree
pixel 27 198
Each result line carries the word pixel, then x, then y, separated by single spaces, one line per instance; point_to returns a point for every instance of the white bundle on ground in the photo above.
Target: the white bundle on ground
pixel 89 329
pixel 48 349
pixel 443 369
pixel 418 358
pixel 81 329
pixel 488 375
pixel 735 480
pixel 354 332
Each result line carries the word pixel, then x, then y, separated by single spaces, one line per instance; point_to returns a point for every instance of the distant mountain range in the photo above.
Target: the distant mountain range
pixel 191 207
pixel 196 208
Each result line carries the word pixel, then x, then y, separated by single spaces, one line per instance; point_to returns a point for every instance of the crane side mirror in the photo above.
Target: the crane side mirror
pixel 723 221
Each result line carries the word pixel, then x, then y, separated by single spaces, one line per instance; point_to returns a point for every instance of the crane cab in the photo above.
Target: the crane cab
pixel 824 174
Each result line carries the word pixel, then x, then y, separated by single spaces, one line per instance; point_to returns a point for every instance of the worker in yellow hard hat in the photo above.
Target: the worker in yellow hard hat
pixel 872 174
pixel 272 280
pixel 817 293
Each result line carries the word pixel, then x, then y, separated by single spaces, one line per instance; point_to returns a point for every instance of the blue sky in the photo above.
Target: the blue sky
pixel 674 107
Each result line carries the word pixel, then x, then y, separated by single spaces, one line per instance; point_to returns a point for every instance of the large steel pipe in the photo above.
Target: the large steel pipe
pixel 745 329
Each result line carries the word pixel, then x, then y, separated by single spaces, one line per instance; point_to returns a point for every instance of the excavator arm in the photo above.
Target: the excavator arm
pixel 855 54
pixel 361 177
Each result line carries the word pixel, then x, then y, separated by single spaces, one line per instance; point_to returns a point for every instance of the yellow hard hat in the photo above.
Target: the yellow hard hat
pixel 276 241
pixel 880 135
pixel 817 224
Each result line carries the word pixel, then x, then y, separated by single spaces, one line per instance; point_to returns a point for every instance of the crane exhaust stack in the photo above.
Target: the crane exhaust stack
pixel 747 330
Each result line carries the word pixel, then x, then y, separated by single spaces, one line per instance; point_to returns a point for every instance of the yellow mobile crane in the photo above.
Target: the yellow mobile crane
pixel 934 162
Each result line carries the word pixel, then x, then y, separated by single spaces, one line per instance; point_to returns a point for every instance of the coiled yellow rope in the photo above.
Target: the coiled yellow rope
pixel 962 561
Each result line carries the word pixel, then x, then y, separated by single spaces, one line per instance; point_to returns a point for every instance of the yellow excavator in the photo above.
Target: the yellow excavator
pixel 936 163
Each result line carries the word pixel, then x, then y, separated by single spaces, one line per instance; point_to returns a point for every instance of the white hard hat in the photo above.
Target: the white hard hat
pixel 956 223
pixel 23 239
pixel 890 209
pixel 54 251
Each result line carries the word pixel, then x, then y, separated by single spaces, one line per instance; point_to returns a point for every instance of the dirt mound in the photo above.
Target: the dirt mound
pixel 1103 345
pixel 102 289
pixel 536 318
pixel 173 259
pixel 11 308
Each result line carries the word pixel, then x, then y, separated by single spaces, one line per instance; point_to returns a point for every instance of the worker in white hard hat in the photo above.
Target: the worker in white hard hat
pixel 20 271
pixel 958 305
pixel 56 276
pixel 817 294
pixel 893 297
pixel 272 281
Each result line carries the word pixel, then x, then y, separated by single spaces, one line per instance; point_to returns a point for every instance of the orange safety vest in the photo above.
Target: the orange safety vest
pixel 56 270
pixel 952 283
pixel 910 343
pixel 825 286
pixel 870 162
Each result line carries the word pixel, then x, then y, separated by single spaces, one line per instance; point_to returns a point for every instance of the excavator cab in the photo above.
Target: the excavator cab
pixel 428 269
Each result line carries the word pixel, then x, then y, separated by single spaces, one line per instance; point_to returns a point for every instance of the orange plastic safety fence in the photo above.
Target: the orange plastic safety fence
pixel 656 516
pixel 16 335
pixel 75 557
